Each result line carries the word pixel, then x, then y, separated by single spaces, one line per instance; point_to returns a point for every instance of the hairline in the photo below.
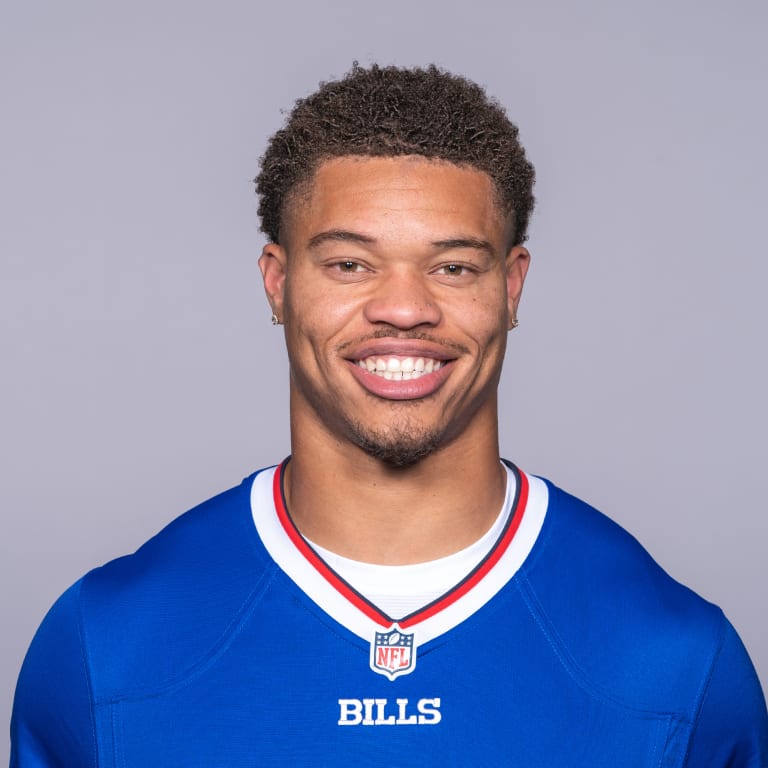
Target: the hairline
pixel 302 188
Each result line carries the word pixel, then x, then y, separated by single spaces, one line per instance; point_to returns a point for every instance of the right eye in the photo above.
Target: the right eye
pixel 348 267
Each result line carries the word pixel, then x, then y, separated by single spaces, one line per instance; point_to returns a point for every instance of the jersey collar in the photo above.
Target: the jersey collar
pixel 294 555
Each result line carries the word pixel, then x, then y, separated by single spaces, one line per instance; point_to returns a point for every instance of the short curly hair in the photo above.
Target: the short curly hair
pixel 391 111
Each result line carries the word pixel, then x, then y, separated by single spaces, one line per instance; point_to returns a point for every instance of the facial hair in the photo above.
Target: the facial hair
pixel 400 447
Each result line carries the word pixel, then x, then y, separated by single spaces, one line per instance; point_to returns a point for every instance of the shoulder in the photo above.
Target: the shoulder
pixel 203 544
pixel 624 626
pixel 603 563
pixel 54 680
pixel 182 590
pixel 136 623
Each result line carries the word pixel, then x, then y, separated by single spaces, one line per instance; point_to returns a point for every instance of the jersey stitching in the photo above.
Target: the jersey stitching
pixel 571 666
pixel 113 722
pixel 704 687
pixel 87 670
pixel 232 630
pixel 310 607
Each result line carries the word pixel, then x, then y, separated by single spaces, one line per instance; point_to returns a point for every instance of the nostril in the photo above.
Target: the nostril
pixel 402 311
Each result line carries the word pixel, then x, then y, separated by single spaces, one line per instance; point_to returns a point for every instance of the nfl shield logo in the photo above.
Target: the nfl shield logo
pixel 393 652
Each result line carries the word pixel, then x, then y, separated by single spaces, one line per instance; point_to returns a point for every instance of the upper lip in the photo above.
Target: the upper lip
pixel 399 348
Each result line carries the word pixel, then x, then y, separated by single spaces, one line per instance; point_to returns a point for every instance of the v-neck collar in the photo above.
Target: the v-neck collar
pixel 294 555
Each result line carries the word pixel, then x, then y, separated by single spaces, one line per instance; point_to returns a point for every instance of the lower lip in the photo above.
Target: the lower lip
pixel 391 389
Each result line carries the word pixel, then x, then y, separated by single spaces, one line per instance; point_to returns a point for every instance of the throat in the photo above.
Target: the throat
pixel 357 506
pixel 400 590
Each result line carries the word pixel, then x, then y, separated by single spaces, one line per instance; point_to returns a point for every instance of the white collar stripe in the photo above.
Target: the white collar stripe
pixel 336 597
pixel 317 562
pixel 484 566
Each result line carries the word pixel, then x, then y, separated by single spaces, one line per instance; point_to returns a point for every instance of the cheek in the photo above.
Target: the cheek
pixel 485 316
pixel 308 294
pixel 315 320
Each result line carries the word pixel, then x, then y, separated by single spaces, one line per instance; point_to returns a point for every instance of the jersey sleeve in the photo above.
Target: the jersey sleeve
pixel 732 724
pixel 52 722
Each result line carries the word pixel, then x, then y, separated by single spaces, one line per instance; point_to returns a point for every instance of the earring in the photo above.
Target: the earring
pixel 513 324
pixel 275 319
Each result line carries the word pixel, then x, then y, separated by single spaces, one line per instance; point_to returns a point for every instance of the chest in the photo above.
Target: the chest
pixel 293 688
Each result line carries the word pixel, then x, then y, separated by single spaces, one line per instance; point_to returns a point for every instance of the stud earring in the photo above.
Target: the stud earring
pixel 513 324
pixel 275 319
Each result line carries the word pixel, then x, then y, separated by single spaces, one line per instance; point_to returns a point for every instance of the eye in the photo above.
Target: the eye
pixel 349 266
pixel 454 270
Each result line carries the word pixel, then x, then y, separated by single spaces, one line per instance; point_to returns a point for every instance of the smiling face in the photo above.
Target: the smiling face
pixel 397 284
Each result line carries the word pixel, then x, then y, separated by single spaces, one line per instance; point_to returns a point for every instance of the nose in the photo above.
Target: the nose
pixel 402 298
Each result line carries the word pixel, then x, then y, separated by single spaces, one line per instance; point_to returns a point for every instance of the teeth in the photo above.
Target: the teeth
pixel 395 369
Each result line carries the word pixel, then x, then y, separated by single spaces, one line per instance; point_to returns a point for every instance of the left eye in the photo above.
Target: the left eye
pixel 452 269
pixel 349 266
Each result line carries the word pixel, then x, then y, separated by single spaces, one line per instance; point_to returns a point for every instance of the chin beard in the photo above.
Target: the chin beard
pixel 399 448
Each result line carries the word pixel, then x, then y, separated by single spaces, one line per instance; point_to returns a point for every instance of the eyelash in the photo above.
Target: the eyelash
pixel 351 267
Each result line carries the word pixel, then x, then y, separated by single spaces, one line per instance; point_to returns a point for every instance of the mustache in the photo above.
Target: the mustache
pixel 394 333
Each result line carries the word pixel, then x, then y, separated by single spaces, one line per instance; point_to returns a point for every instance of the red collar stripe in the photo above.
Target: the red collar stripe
pixel 317 562
pixel 485 565
pixel 360 602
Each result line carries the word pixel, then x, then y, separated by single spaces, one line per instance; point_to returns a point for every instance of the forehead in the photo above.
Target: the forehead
pixel 386 193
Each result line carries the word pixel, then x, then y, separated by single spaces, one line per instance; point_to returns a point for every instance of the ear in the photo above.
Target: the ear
pixel 517 262
pixel 273 264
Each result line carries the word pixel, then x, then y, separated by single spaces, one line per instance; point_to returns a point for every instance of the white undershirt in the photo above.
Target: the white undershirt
pixel 399 590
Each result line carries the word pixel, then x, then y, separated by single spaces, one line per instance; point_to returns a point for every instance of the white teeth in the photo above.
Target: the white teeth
pixel 396 369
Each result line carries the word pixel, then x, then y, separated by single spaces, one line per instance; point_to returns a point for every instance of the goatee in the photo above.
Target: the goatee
pixel 398 448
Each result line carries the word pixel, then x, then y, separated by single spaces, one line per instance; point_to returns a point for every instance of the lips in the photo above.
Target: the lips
pixel 401 368
pixel 395 370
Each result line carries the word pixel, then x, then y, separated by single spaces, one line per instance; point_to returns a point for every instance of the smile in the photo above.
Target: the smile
pixel 400 369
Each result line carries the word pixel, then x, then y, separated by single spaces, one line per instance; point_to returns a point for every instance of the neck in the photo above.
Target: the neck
pixel 358 507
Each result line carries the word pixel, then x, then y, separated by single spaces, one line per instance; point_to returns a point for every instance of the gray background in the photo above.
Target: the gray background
pixel 140 373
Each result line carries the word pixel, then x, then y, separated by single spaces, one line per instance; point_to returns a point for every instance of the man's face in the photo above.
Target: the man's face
pixel 397 285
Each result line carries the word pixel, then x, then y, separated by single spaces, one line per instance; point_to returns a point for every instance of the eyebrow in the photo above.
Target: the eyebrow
pixel 453 243
pixel 465 242
pixel 339 235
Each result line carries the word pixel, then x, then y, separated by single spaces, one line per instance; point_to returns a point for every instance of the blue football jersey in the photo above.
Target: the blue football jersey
pixel 227 641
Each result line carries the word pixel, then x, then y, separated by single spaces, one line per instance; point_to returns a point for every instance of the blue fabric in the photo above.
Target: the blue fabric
pixel 199 651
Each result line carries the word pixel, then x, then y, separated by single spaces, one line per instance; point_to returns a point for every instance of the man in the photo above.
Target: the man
pixel 393 593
